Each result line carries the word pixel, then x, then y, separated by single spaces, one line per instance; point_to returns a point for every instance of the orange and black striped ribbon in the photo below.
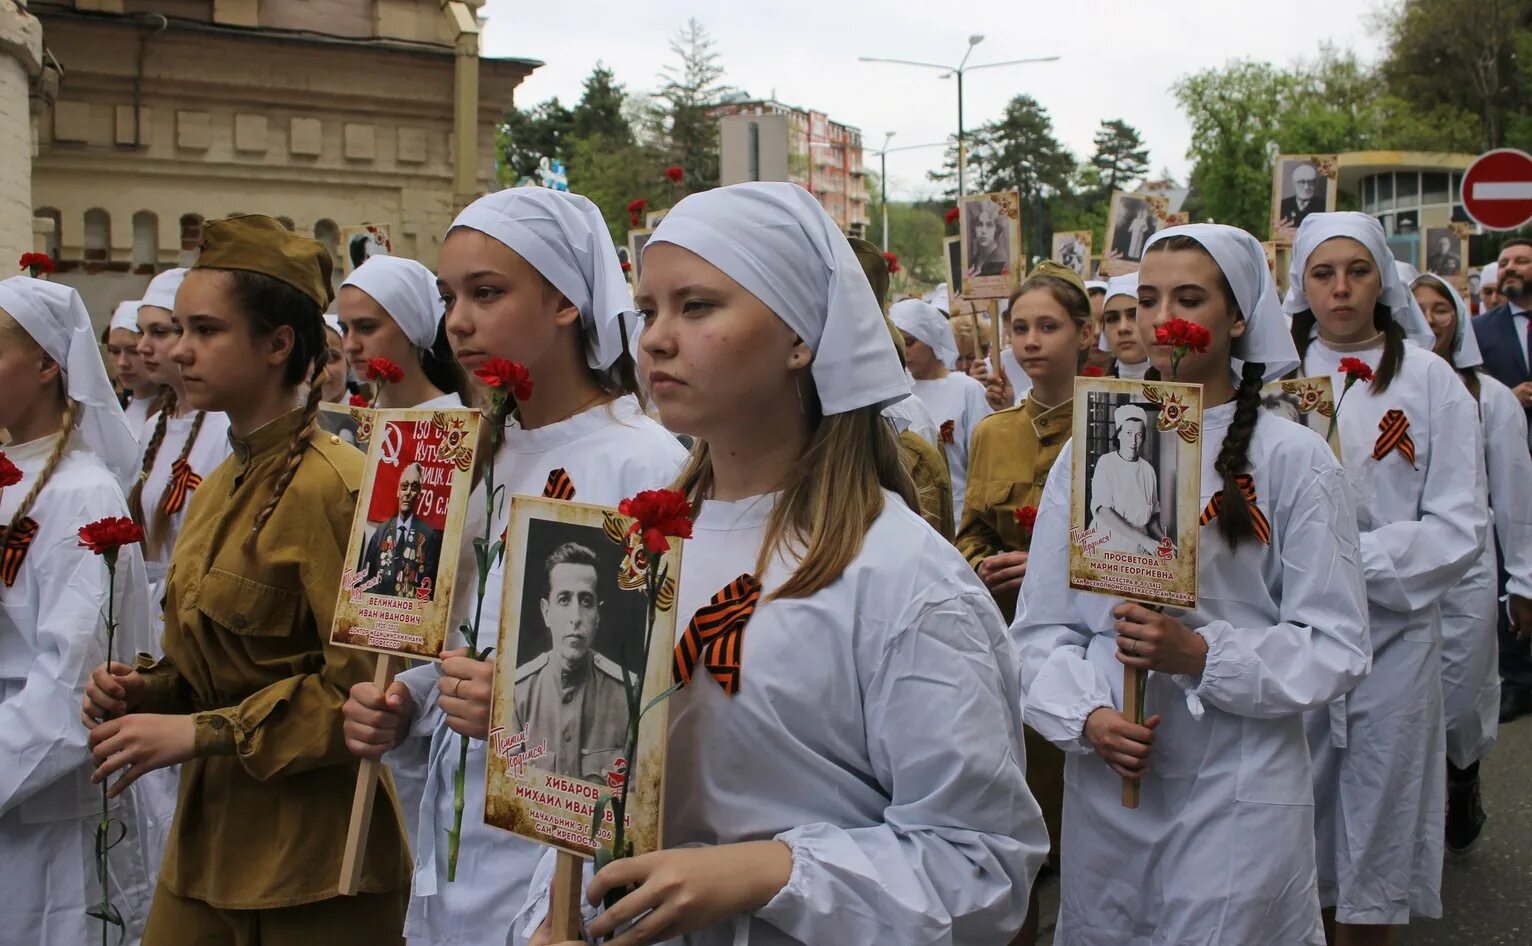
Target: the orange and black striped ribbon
pixel 949 427
pixel 16 544
pixel 182 481
pixel 717 634
pixel 1395 435
pixel 1246 484
pixel 559 485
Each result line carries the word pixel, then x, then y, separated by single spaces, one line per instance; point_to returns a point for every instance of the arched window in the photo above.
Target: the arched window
pixel 98 236
pixel 52 241
pixel 146 241
pixel 191 232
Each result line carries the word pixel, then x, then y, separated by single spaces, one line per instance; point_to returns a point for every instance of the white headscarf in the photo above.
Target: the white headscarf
pixel 1465 347
pixel 1117 286
pixel 332 321
pixel 55 317
pixel 564 237
pixel 1490 276
pixel 1095 284
pixel 776 241
pixel 926 323
pixel 162 289
pixel 125 317
pixel 407 292
pixel 940 297
pixel 1242 261
pixel 1318 228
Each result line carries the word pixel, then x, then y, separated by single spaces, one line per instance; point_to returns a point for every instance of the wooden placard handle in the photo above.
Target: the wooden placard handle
pixel 1133 681
pixel 564 914
pixel 366 791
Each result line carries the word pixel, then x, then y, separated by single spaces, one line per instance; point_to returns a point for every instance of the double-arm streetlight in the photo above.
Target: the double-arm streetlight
pixel 958 71
pixel 883 154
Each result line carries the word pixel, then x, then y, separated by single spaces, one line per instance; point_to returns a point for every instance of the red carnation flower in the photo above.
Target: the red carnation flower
pixel 893 262
pixel 951 216
pixel 674 174
pixel 1355 369
pixel 381 369
pixel 658 515
pixel 1093 371
pixel 637 206
pixel 106 536
pixel 9 474
pixel 627 267
pixel 356 400
pixel 1188 336
pixel 505 375
pixel 1026 517
pixel 37 263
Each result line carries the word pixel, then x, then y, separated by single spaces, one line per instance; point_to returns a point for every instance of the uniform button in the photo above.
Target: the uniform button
pixel 239 622
pixel 334 438
pixel 218 722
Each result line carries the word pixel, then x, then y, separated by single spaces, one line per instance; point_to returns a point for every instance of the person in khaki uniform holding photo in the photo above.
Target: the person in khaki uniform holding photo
pixel 248 695
pixel 1051 330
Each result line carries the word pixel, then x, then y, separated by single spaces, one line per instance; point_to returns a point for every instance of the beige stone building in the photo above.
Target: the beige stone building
pixel 324 113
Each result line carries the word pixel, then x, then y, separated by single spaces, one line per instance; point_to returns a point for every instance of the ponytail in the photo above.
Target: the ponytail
pixel 1235 522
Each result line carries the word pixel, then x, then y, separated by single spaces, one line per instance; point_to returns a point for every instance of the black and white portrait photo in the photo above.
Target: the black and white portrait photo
pixel 1073 250
pixel 1444 252
pixel 990 228
pixel 1300 188
pixel 637 240
pixel 1132 476
pixel 361 242
pixel 989 239
pixel 401 556
pixel 1132 222
pixel 578 631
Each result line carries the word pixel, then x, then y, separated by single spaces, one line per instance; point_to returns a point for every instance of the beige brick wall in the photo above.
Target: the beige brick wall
pixel 20 52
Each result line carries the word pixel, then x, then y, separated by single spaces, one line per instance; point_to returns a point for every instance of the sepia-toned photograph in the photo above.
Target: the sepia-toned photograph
pixel 1307 401
pixel 1136 476
pixel 637 239
pixel 1302 184
pixel 572 628
pixel 363 241
pixel 1073 249
pixel 396 593
pixel 991 232
pixel 1131 221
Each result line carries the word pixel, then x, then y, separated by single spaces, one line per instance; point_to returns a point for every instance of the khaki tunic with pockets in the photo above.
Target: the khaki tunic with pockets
pixel 263 808
pixel 933 484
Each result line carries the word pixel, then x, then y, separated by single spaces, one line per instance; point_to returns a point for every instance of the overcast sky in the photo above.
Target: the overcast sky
pixel 1119 58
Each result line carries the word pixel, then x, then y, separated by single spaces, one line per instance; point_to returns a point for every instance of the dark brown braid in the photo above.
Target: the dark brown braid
pixel 165 404
pixel 186 449
pixel 59 450
pixel 1383 321
pixel 1235 523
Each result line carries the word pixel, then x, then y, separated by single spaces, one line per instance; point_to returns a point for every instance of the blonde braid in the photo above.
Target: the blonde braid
pixel 165 404
pixel 45 475
pixel 294 451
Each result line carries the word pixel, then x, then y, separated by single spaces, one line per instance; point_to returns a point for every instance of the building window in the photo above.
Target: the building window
pixel 146 241
pixel 1385 192
pixel 51 241
pixel 1434 188
pixel 98 236
pixel 1406 189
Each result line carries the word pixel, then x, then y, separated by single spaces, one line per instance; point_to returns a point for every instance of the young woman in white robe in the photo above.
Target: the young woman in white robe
pixel 529 275
pixel 1220 851
pixel 1119 329
pixel 815 802
pixel 389 307
pixel 73 448
pixel 954 400
pixel 1471 610
pixel 121 340
pixel 1411 446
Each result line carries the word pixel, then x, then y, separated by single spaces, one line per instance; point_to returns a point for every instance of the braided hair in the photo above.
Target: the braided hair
pixel 59 449
pixel 270 303
pixel 165 405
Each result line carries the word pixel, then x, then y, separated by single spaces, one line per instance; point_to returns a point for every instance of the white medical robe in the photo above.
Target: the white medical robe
pixel 956 402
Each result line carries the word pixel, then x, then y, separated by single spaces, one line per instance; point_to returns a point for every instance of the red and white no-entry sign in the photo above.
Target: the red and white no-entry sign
pixel 1497 189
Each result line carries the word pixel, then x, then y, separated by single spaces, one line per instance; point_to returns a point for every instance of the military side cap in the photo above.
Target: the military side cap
pixel 257 243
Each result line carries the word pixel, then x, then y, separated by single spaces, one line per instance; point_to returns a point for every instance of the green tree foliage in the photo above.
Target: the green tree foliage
pixel 528 136
pixel 1121 156
pixel 689 90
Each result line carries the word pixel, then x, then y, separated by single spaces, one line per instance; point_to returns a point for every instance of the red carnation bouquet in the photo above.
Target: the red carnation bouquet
pixel 10 474
pixel 635 208
pixel 892 259
pixel 1026 517
pixel 106 537
pixel 356 400
pixel 508 377
pixel 675 174
pixel 383 372
pixel 951 216
pixel 1092 371
pixel 1183 338
pixel 37 264
pixel 1355 369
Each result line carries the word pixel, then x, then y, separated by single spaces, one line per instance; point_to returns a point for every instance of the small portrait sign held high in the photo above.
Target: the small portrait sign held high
pixel 991 229
pixel 1302 184
pixel 1136 485
pixel 396 593
pixel 1307 401
pixel 573 623
pixel 1073 249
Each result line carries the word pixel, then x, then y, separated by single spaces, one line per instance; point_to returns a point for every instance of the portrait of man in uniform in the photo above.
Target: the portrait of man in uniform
pixel 403 552
pixel 570 698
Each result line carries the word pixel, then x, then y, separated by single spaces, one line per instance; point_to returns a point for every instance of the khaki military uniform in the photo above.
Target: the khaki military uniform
pixel 263 807
pixel 927 466
pixel 1008 463
pixel 583 717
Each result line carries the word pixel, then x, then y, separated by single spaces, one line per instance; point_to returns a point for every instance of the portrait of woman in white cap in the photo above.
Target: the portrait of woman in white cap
pixel 808 800
pixel 1125 489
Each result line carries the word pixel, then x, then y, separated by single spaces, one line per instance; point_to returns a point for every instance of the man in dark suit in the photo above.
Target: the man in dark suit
pixel 1304 201
pixel 1505 337
pixel 403 553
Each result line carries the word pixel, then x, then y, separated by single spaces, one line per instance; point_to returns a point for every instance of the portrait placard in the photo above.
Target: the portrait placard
pixel 1301 184
pixel 636 241
pixel 396 591
pixel 1073 249
pixel 652 218
pixel 1446 250
pixel 346 422
pixel 954 248
pixel 1131 220
pixel 991 231
pixel 1136 478
pixel 361 241
pixel 574 614
pixel 1307 401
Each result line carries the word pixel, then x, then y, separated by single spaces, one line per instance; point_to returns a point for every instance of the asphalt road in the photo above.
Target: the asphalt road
pixel 1486 893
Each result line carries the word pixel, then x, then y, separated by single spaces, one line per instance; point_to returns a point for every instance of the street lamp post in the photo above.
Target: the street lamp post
pixel 883 174
pixel 957 72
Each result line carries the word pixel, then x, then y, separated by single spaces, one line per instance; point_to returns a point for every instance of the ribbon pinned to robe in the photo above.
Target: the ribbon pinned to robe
pixel 949 428
pixel 716 634
pixel 17 541
pixel 559 485
pixel 1246 484
pixel 1395 435
pixel 182 481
